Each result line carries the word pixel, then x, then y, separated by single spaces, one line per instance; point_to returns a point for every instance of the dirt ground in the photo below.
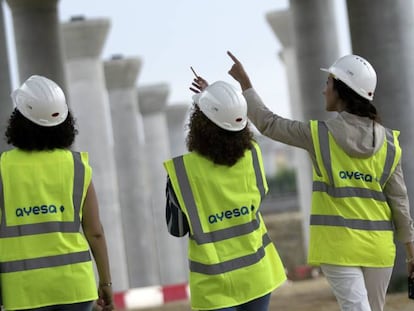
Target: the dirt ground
pixel 309 295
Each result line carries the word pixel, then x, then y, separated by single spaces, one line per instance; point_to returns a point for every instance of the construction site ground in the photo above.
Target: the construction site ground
pixel 310 295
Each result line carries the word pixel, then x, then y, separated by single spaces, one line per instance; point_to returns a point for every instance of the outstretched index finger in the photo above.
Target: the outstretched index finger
pixel 235 60
pixel 195 73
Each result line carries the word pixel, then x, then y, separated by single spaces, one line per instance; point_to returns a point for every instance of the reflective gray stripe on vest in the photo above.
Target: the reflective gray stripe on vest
pixel 351 191
pixel 389 158
pixel 49 227
pixel 359 224
pixel 44 262
pixel 232 264
pixel 207 237
pixel 258 172
pixel 325 150
pixel 344 192
pixel 1 193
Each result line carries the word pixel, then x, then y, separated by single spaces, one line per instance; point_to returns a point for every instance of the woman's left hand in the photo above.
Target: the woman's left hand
pixel 199 84
pixel 105 300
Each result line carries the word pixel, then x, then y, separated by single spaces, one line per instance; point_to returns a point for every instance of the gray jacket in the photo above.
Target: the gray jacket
pixel 354 134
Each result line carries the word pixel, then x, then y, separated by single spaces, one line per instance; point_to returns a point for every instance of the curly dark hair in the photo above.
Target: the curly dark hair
pixel 355 103
pixel 26 135
pixel 217 144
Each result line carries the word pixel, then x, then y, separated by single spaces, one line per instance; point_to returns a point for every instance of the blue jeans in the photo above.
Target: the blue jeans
pixel 259 304
pixel 81 306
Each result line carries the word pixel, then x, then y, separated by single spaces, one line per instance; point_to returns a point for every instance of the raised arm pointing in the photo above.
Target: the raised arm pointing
pixel 238 73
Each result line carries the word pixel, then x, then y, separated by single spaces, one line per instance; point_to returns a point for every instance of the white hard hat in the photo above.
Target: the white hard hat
pixel 357 73
pixel 41 101
pixel 224 105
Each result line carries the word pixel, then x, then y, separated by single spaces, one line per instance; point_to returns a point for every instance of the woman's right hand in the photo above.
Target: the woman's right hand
pixel 409 247
pixel 238 73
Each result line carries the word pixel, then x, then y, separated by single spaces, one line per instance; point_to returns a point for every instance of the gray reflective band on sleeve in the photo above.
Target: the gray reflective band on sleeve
pixel 197 231
pixel 233 264
pixel 344 192
pixel 44 262
pixel 38 228
pixel 359 224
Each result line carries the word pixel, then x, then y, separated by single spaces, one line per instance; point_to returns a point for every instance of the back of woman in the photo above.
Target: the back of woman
pixel 214 194
pixel 359 195
pixel 47 198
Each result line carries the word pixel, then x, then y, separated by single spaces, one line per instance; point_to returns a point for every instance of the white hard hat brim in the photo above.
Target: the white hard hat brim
pixel 196 98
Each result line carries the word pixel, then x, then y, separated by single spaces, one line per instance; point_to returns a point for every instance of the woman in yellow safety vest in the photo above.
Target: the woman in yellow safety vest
pixel 46 200
pixel 214 194
pixel 359 193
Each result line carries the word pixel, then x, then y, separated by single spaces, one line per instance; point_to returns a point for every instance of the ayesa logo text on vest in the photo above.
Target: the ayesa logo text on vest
pixel 39 210
pixel 355 175
pixel 236 212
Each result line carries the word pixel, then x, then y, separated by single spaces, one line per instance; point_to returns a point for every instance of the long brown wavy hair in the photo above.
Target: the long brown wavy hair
pixel 217 144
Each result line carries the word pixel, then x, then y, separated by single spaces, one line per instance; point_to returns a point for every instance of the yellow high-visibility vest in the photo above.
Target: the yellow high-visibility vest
pixel 351 221
pixel 44 258
pixel 231 257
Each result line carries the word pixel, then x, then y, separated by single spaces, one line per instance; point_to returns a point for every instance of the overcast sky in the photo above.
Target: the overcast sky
pixel 170 36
